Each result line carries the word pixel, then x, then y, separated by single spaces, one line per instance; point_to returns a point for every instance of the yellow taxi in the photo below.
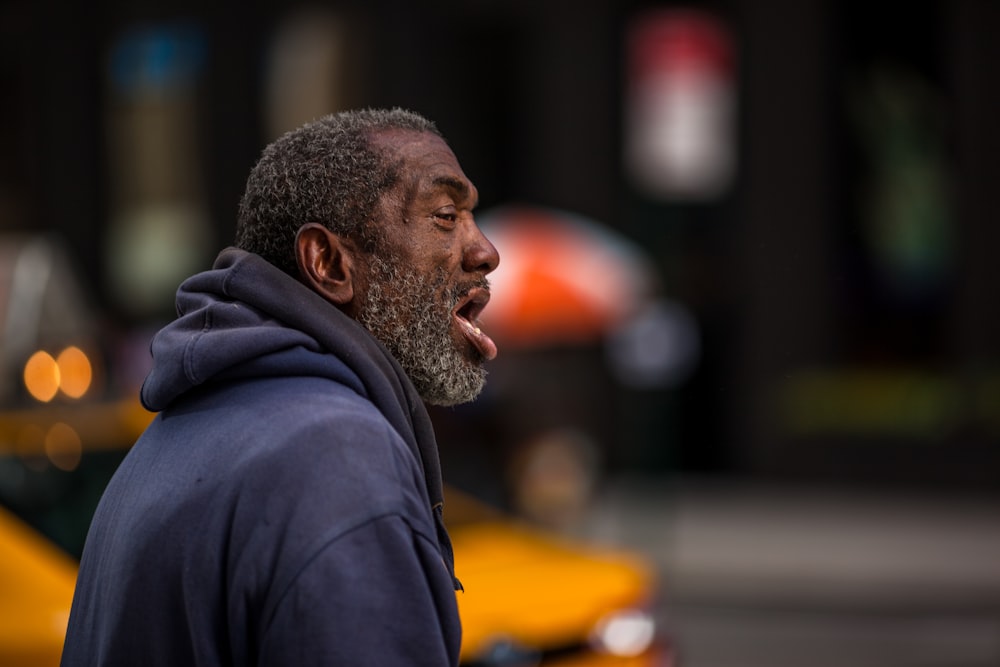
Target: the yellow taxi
pixel 532 597
pixel 36 588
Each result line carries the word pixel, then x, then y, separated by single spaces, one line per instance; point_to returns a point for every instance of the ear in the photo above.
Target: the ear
pixel 326 264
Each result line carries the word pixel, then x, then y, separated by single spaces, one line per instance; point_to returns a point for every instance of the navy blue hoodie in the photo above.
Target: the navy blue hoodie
pixel 284 506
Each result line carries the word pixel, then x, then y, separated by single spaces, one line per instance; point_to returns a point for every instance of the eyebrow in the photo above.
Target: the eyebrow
pixel 458 186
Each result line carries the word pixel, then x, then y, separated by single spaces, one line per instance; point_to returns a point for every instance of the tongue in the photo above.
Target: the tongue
pixel 480 340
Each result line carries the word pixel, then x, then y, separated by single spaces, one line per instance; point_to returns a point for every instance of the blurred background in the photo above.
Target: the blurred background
pixel 748 306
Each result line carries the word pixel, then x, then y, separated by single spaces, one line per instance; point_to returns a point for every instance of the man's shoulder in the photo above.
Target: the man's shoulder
pixel 304 427
pixel 312 432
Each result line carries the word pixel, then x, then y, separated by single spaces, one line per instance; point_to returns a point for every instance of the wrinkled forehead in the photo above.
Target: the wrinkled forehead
pixel 426 162
pixel 413 146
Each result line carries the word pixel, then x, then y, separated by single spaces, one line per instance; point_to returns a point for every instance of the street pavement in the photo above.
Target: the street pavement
pixel 755 575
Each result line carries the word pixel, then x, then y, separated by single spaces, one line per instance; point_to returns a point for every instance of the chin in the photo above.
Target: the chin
pixel 458 388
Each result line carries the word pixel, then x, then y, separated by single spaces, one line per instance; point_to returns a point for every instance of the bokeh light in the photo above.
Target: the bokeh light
pixel 41 376
pixel 75 372
pixel 63 447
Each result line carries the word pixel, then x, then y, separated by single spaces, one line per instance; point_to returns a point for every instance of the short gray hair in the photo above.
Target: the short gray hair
pixel 328 171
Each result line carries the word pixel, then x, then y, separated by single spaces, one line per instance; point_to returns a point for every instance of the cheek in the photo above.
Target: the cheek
pixel 443 262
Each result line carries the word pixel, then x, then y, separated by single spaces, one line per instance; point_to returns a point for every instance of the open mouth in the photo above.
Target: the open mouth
pixel 467 315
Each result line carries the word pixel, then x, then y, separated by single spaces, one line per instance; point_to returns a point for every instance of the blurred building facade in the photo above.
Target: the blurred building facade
pixel 842 273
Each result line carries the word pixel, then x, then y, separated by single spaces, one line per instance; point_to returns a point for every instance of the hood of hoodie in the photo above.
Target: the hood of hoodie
pixel 245 317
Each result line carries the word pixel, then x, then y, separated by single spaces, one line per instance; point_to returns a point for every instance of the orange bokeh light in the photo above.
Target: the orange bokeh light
pixel 41 376
pixel 63 447
pixel 75 372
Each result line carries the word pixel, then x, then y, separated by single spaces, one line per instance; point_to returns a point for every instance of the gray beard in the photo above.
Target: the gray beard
pixel 411 315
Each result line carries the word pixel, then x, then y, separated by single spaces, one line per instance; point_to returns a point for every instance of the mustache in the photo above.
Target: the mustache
pixel 461 290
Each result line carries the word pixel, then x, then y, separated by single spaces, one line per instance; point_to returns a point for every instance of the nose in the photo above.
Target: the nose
pixel 480 254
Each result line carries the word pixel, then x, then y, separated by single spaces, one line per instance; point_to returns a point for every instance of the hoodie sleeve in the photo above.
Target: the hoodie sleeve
pixel 379 595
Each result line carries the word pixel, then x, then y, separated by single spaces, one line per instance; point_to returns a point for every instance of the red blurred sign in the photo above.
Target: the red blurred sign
pixel 680 105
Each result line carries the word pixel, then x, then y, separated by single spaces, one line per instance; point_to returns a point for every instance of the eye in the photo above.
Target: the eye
pixel 446 217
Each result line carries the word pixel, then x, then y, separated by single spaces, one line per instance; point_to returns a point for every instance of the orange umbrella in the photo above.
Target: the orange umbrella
pixel 563 278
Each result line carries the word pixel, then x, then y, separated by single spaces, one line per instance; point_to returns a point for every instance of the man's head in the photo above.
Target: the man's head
pixel 329 171
pixel 373 212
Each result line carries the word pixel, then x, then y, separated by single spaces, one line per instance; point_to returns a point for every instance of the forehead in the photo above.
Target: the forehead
pixel 411 143
pixel 427 161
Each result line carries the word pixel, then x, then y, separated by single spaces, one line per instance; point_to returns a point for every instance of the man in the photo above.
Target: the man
pixel 284 506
